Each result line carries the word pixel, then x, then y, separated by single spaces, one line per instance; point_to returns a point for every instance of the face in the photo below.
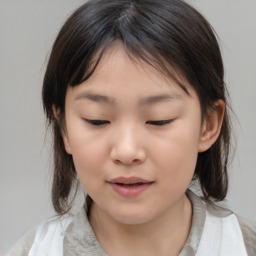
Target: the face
pixel 134 136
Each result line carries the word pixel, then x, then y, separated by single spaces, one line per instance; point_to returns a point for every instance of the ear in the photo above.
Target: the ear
pixel 56 113
pixel 211 126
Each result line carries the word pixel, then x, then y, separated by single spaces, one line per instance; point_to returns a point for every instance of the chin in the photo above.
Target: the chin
pixel 132 221
pixel 131 218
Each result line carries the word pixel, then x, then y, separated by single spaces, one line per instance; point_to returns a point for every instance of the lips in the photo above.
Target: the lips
pixel 129 186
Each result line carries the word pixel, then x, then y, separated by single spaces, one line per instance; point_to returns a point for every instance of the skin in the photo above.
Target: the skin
pixel 132 144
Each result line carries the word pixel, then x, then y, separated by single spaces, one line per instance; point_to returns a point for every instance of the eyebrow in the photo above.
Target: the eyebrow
pixel 150 100
pixel 160 98
pixel 96 98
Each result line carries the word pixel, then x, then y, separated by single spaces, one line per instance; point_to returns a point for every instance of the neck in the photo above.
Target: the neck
pixel 164 235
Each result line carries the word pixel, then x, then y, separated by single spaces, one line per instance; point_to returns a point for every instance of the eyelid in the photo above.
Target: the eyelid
pixel 96 122
pixel 160 122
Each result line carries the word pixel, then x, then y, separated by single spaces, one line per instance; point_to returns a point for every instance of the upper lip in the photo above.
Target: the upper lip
pixel 129 180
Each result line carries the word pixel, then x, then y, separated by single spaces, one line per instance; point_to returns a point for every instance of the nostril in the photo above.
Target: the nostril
pixel 127 162
pixel 127 157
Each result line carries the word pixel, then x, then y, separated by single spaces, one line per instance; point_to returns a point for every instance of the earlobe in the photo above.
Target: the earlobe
pixel 211 126
pixel 56 114
pixel 66 143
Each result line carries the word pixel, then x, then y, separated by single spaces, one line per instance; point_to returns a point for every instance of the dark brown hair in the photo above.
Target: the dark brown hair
pixel 168 34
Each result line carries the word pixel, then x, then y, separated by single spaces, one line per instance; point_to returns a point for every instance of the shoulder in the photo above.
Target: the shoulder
pixel 60 236
pixel 24 244
pixel 248 228
pixel 217 229
pixel 241 229
pixel 47 237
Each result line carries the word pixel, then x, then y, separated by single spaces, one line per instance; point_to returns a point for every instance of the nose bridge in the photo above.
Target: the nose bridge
pixel 127 145
pixel 127 140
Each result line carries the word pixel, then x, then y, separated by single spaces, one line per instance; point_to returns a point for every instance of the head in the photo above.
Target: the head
pixel 166 41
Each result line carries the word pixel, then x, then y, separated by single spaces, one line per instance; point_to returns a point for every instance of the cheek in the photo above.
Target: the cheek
pixel 88 164
pixel 177 156
pixel 88 154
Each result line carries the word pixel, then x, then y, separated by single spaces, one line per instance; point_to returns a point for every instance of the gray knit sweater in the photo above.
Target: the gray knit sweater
pixel 79 238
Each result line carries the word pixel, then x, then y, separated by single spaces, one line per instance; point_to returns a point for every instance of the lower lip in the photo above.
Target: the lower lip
pixel 130 191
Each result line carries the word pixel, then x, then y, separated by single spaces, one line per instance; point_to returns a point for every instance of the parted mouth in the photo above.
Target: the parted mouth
pixel 130 186
pixel 129 181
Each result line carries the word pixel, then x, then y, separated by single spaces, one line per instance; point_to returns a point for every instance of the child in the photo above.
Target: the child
pixel 135 96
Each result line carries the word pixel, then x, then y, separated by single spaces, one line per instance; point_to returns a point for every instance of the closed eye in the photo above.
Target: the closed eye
pixel 159 122
pixel 96 122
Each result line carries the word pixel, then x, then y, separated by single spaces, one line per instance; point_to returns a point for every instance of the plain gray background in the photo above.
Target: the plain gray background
pixel 28 29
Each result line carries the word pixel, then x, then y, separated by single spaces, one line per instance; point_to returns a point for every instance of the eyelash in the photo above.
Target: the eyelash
pixel 160 122
pixel 102 122
pixel 97 122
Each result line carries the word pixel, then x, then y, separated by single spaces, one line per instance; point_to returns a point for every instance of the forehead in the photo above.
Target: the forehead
pixel 119 72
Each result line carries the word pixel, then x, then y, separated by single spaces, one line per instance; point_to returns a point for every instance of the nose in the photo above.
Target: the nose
pixel 128 148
